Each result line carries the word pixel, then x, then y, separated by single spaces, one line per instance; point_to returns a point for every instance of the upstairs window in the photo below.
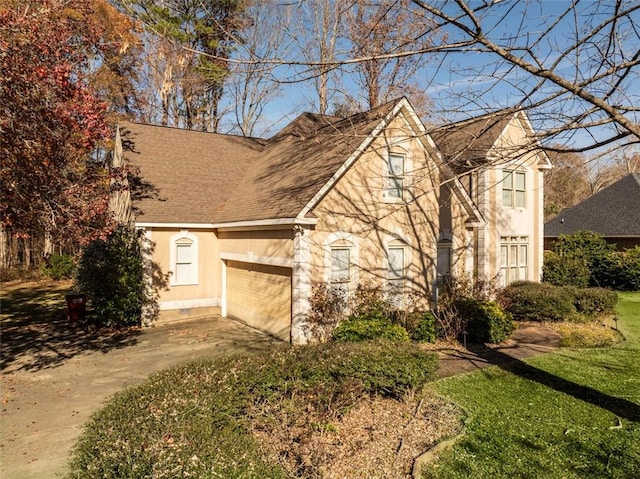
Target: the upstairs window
pixel 513 189
pixel 396 176
pixel 184 259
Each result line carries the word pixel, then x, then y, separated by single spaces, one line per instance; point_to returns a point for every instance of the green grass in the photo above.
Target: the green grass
pixel 571 414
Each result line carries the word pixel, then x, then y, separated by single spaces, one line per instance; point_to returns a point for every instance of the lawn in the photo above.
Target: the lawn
pixel 571 414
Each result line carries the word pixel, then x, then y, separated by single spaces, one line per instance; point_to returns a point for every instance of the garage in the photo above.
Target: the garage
pixel 260 295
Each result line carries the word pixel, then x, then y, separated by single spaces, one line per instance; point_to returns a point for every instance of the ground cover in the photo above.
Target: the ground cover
pixel 570 414
pixel 331 410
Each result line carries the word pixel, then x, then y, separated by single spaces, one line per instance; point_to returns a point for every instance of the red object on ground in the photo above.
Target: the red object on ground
pixel 76 307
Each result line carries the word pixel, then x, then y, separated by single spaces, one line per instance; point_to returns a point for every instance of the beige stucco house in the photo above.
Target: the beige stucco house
pixel 246 226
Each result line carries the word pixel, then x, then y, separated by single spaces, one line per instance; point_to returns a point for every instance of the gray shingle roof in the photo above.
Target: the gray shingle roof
pixel 613 211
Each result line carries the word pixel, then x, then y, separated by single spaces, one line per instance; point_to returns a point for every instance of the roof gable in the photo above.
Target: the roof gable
pixel 613 211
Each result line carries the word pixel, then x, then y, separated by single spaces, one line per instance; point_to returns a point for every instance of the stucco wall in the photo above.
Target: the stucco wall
pixel 206 292
pixel 357 210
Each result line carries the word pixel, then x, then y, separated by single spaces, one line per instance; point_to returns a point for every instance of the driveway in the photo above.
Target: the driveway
pixel 54 379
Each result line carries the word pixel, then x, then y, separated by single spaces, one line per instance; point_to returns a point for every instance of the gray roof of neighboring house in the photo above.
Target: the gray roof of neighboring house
pixel 613 211
pixel 194 177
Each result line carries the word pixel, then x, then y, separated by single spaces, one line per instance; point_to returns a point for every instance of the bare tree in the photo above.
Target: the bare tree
pixel 252 86
pixel 381 33
pixel 575 72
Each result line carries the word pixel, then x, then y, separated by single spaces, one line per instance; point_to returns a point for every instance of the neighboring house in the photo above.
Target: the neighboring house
pixel 248 226
pixel 501 168
pixel 613 212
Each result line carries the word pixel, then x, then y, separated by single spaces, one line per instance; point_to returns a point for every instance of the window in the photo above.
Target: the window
pixel 184 259
pixel 513 188
pixel 395 281
pixel 395 178
pixel 341 269
pixel 513 259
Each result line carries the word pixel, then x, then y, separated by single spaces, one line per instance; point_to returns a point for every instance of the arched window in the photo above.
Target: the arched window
pixel 340 260
pixel 184 259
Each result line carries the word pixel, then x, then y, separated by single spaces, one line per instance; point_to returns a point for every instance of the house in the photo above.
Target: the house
pixel 247 226
pixel 501 167
pixel 613 212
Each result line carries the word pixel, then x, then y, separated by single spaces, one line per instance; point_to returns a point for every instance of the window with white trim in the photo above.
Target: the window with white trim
pixel 340 277
pixel 514 259
pixel 514 191
pixel 396 275
pixel 184 259
pixel 395 182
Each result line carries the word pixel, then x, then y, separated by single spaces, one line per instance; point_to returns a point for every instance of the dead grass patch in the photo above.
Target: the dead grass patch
pixel 376 438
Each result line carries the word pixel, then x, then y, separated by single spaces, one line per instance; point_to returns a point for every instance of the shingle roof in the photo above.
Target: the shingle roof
pixel 195 177
pixel 296 166
pixel 613 211
pixel 184 176
pixel 465 144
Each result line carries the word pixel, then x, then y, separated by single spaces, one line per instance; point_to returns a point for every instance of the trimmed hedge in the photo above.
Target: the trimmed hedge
pixel 528 301
pixel 486 321
pixel 368 328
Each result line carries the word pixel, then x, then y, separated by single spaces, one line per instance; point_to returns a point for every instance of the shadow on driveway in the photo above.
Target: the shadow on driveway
pixel 36 335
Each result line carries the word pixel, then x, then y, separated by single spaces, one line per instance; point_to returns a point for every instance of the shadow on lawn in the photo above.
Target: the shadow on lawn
pixel 620 407
pixel 36 335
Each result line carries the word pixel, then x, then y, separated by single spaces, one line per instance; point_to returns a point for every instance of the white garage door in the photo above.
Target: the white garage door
pixel 260 295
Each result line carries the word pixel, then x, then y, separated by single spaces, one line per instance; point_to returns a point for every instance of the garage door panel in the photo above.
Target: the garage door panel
pixel 260 295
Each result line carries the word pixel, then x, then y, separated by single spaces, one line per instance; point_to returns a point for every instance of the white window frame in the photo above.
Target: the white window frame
pixel 396 281
pixel 341 283
pixel 180 240
pixel 514 259
pixel 514 196
pixel 395 182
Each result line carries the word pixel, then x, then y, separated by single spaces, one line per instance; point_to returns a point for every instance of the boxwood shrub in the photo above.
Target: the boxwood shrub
pixel 369 328
pixel 425 327
pixel 528 301
pixel 486 321
pixel 593 302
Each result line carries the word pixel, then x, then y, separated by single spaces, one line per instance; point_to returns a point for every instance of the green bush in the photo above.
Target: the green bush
pixel 593 302
pixel 565 270
pixel 486 321
pixel 624 272
pixel 528 301
pixel 368 328
pixel 424 330
pixel 58 266
pixel 590 248
pixel 110 272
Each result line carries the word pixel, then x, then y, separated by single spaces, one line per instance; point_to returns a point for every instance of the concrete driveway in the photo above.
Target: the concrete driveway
pixel 53 381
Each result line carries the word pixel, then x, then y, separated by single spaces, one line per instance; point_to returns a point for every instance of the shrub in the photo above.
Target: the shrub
pixel 593 302
pixel 486 321
pixel 528 301
pixel 370 300
pixel 111 273
pixel 565 270
pixel 590 248
pixel 369 328
pixel 449 321
pixel 58 266
pixel 625 270
pixel 327 309
pixel 424 330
